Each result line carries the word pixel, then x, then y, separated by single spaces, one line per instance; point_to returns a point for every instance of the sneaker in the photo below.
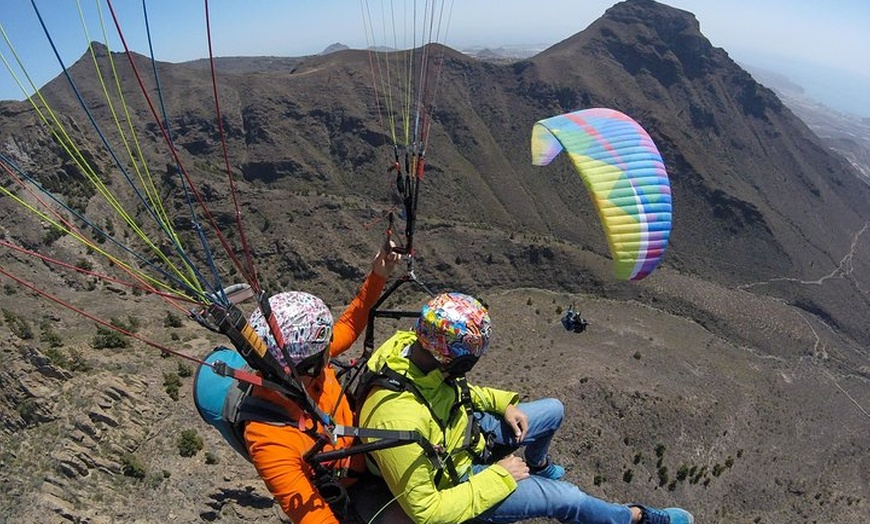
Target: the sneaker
pixel 548 470
pixel 664 516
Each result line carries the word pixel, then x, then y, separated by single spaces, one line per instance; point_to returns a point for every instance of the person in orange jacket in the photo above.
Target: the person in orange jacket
pixel 311 339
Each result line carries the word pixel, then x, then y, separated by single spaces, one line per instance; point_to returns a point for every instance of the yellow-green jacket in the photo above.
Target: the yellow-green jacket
pixel 406 469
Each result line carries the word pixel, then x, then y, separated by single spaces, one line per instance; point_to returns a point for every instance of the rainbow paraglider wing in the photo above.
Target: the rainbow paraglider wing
pixel 625 176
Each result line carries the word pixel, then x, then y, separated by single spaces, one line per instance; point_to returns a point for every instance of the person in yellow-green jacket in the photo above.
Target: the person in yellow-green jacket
pixel 460 475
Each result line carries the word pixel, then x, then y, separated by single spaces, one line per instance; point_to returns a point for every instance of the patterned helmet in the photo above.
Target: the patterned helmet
pixel 305 323
pixel 453 325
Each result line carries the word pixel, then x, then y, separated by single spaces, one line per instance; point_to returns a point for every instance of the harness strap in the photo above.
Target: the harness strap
pixel 395 381
pixel 241 406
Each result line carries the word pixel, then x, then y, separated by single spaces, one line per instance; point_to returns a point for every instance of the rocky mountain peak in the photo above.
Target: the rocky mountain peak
pixel 663 38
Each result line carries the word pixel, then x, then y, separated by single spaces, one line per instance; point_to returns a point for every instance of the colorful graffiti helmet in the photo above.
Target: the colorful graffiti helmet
pixel 305 323
pixel 454 325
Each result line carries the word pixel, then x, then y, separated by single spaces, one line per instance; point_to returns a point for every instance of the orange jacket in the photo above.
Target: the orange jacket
pixel 277 451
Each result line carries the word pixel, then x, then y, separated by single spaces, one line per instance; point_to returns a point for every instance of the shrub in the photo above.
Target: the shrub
pixel 663 475
pixel 189 443
pixel 109 339
pixel 627 475
pixel 49 336
pixel 131 466
pixel 85 264
pixel 211 458
pixel 54 232
pixel 682 473
pixel 172 384
pixel 19 326
pixel 172 320
pixel 56 357
pixel 27 409
pixel 184 369
pixel 52 339
pixel 76 362
pixel 132 324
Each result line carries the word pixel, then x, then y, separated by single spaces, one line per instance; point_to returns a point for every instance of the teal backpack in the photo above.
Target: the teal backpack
pixel 226 403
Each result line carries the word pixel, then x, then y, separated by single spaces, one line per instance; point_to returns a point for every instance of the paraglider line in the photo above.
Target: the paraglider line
pixel 251 271
pixel 197 227
pixel 170 298
pixel 100 133
pixel 103 323
pixel 70 228
pixel 227 248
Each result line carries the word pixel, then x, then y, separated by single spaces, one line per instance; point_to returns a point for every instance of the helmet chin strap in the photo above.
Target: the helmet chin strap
pixel 459 366
pixel 426 362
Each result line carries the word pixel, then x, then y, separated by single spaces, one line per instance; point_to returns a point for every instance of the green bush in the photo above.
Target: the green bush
pixel 72 361
pixel 56 357
pixel 76 362
pixel 131 466
pixel 27 409
pixel 184 369
pixel 52 339
pixel 172 384
pixel 109 339
pixel 53 233
pixel 49 336
pixel 189 443
pixel 683 472
pixel 664 478
pixel 131 324
pixel 19 326
pixel 172 320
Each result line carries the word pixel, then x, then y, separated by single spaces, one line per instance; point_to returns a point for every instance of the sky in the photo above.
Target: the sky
pixel 823 46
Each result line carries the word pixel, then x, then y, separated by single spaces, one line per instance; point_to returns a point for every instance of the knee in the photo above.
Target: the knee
pixel 554 408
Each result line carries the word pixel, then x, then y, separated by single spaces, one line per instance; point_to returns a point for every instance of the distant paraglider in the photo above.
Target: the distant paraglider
pixel 573 321
pixel 626 179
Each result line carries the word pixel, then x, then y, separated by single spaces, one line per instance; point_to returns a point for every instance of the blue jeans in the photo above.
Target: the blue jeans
pixel 538 496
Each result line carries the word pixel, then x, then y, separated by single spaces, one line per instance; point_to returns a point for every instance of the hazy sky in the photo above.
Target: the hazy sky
pixel 824 46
